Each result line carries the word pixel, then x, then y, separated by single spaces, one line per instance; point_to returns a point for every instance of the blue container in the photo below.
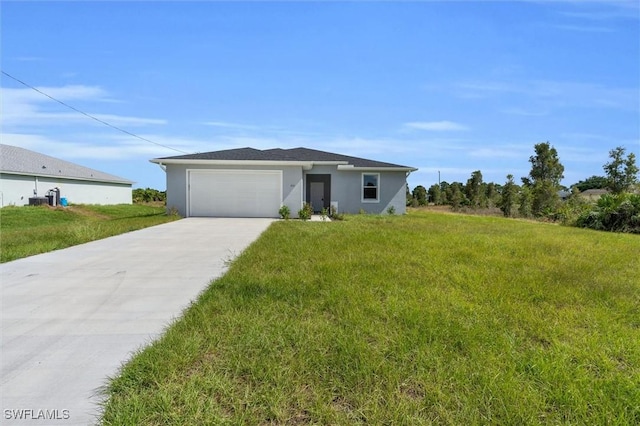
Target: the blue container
pixel 63 202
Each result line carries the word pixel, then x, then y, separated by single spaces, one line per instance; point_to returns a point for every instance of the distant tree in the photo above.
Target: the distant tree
pixel 473 189
pixel 509 195
pixel 622 173
pixel 435 194
pixel 420 195
pixel 525 198
pixel 593 182
pixel 409 196
pixel 544 178
pixel 444 187
pixel 492 194
pixel 148 195
pixel 455 195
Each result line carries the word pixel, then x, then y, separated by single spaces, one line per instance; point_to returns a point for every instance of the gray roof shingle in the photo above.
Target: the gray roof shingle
pixel 278 154
pixel 23 161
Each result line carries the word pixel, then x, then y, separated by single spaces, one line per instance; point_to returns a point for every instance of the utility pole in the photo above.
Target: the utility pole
pixel 438 177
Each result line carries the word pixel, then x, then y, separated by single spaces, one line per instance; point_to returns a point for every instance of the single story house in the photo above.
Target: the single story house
pixel 27 174
pixel 249 182
pixel 593 194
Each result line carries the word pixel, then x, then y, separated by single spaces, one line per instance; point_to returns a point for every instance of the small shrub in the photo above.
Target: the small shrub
pixel 285 212
pixel 334 215
pixel 391 211
pixel 173 211
pixel 305 212
pixel 324 213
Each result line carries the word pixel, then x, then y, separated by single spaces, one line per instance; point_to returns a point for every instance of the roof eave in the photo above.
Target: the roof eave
pixel 42 175
pixel 342 165
pixel 377 169
pixel 304 164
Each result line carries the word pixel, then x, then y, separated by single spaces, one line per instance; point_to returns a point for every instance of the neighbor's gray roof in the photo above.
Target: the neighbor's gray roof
pixel 294 154
pixel 22 161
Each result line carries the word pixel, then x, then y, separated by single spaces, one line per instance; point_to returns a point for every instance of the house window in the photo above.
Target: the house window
pixel 370 187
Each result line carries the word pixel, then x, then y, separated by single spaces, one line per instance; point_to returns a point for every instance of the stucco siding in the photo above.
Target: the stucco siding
pixel 17 189
pixel 391 185
pixel 346 190
pixel 346 187
pixel 177 189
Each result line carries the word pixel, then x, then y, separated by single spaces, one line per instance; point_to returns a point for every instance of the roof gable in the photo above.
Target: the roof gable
pixel 283 155
pixel 17 160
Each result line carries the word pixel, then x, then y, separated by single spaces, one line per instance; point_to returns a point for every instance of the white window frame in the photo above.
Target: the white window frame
pixel 362 187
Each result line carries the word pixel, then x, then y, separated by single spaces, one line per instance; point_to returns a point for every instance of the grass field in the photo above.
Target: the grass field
pixel 25 231
pixel 428 318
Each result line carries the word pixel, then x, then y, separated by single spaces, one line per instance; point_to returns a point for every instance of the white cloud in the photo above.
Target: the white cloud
pixel 26 108
pixel 597 9
pixel 269 131
pixel 64 93
pixel 494 152
pixel 436 126
pixel 584 28
pixel 227 125
pixel 619 10
pixel 75 147
pixel 125 120
pixel 482 89
pixel 548 94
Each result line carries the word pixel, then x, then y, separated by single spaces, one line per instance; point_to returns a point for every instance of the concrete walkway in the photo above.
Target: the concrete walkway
pixel 70 318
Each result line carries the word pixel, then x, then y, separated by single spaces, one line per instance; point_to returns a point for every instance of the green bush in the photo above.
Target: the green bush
pixel 334 215
pixel 571 210
pixel 148 195
pixel 285 212
pixel 617 213
pixel 305 212
pixel 324 214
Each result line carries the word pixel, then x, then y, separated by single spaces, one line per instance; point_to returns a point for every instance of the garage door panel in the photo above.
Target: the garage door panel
pixel 235 193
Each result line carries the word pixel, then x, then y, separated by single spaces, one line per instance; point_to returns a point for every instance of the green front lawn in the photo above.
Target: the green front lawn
pixel 424 319
pixel 29 230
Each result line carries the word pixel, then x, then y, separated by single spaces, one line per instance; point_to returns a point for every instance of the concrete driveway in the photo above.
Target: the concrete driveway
pixel 70 318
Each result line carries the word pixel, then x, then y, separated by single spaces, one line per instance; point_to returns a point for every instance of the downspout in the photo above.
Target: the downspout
pixel 163 167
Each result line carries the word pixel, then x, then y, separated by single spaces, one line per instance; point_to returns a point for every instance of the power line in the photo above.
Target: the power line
pixel 91 116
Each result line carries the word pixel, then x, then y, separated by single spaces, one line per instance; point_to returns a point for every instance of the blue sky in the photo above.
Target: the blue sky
pixel 451 86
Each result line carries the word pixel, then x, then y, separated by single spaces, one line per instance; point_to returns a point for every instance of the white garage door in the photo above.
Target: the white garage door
pixel 235 193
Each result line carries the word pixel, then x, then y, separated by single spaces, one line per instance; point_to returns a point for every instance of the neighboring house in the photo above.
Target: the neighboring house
pixel 249 182
pixel 593 194
pixel 564 195
pixel 27 174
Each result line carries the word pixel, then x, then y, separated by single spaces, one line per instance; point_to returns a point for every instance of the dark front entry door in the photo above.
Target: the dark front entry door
pixel 318 189
pixel 317 196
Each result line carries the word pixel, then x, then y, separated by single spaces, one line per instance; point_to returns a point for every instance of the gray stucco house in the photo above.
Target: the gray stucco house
pixel 26 174
pixel 248 182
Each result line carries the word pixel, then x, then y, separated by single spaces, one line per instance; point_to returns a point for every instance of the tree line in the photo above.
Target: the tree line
pixel 148 195
pixel 540 194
